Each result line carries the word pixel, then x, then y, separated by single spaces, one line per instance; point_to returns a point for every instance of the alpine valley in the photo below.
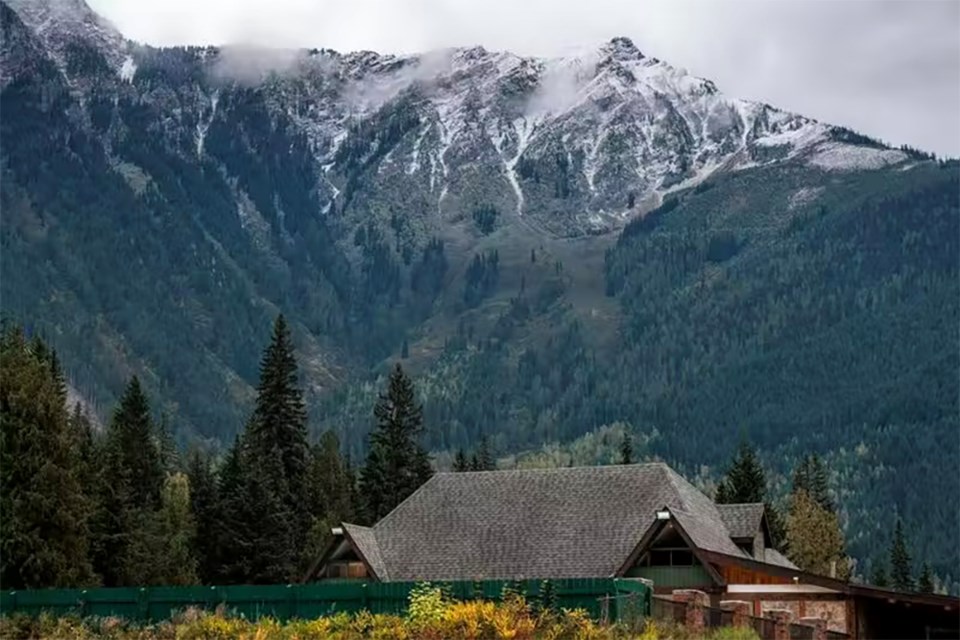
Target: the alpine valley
pixel 555 248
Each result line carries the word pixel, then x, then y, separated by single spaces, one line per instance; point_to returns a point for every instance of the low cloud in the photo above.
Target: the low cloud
pixel 251 64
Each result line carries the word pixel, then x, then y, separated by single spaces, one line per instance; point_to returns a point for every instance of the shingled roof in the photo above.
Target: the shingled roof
pixel 742 520
pixel 544 523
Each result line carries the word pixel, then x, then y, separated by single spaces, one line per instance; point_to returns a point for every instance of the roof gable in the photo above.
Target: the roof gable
pixel 742 520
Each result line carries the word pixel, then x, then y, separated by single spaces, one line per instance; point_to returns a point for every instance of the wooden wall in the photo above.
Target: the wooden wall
pixel 741 575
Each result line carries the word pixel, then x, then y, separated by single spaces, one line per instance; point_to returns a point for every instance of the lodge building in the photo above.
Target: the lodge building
pixel 640 521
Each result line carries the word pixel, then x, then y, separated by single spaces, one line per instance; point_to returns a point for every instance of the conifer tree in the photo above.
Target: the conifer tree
pixel 810 476
pixel 264 483
pixel 484 457
pixel 133 455
pixel 132 479
pixel 925 583
pixel 879 576
pixel 330 495
pixel 169 456
pixel 231 548
pixel 203 505
pixel 460 462
pixel 397 464
pixel 44 536
pixel 626 449
pixel 746 482
pixel 279 421
pixel 901 577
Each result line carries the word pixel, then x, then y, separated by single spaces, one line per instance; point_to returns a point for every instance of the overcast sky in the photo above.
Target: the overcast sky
pixel 890 69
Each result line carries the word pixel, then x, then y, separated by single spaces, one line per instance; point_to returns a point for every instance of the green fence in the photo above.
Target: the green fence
pixel 596 596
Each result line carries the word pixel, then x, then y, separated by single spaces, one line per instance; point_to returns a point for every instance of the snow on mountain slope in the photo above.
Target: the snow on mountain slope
pixel 579 143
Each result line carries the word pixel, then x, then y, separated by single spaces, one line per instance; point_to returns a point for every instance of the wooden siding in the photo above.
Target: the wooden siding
pixel 733 574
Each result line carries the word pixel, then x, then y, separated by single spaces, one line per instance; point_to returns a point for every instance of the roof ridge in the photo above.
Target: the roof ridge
pixel 597 467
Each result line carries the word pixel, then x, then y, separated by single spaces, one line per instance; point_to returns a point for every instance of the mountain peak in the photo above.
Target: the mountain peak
pixel 58 22
pixel 621 48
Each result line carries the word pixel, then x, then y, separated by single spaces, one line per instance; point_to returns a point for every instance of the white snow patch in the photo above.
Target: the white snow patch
pixel 797 138
pixel 203 127
pixel 524 131
pixel 128 69
pixel 844 157
pixel 803 196
pixel 414 165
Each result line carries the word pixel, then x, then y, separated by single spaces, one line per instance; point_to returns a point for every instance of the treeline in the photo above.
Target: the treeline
pixel 122 507
pixel 810 533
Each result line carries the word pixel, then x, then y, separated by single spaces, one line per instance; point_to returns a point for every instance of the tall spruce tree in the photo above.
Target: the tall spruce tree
pixel 44 511
pixel 746 482
pixel 229 561
pixel 265 490
pixel 901 576
pixel 810 476
pixel 329 493
pixel 626 449
pixel 878 576
pixel 460 462
pixel 483 459
pixel 396 464
pixel 131 480
pixel 279 420
pixel 925 583
pixel 203 505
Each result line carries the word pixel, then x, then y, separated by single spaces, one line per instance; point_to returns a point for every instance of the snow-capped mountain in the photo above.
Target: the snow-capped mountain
pixel 576 144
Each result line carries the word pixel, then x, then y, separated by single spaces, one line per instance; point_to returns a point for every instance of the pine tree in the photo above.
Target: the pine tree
pixel 203 506
pixel 264 490
pixel 132 479
pixel 279 421
pixel 879 576
pixel 484 457
pixel 900 572
pixel 626 449
pixel 397 464
pixel 746 480
pixel 460 462
pixel 169 456
pixel 134 458
pixel 44 511
pixel 232 549
pixel 810 476
pixel 925 583
pixel 329 493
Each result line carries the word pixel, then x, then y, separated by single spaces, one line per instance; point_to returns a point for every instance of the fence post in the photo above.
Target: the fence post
pixel 819 627
pixel 781 619
pixel 694 603
pixel 739 610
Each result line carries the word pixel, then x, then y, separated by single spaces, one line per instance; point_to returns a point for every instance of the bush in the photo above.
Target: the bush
pixel 432 616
